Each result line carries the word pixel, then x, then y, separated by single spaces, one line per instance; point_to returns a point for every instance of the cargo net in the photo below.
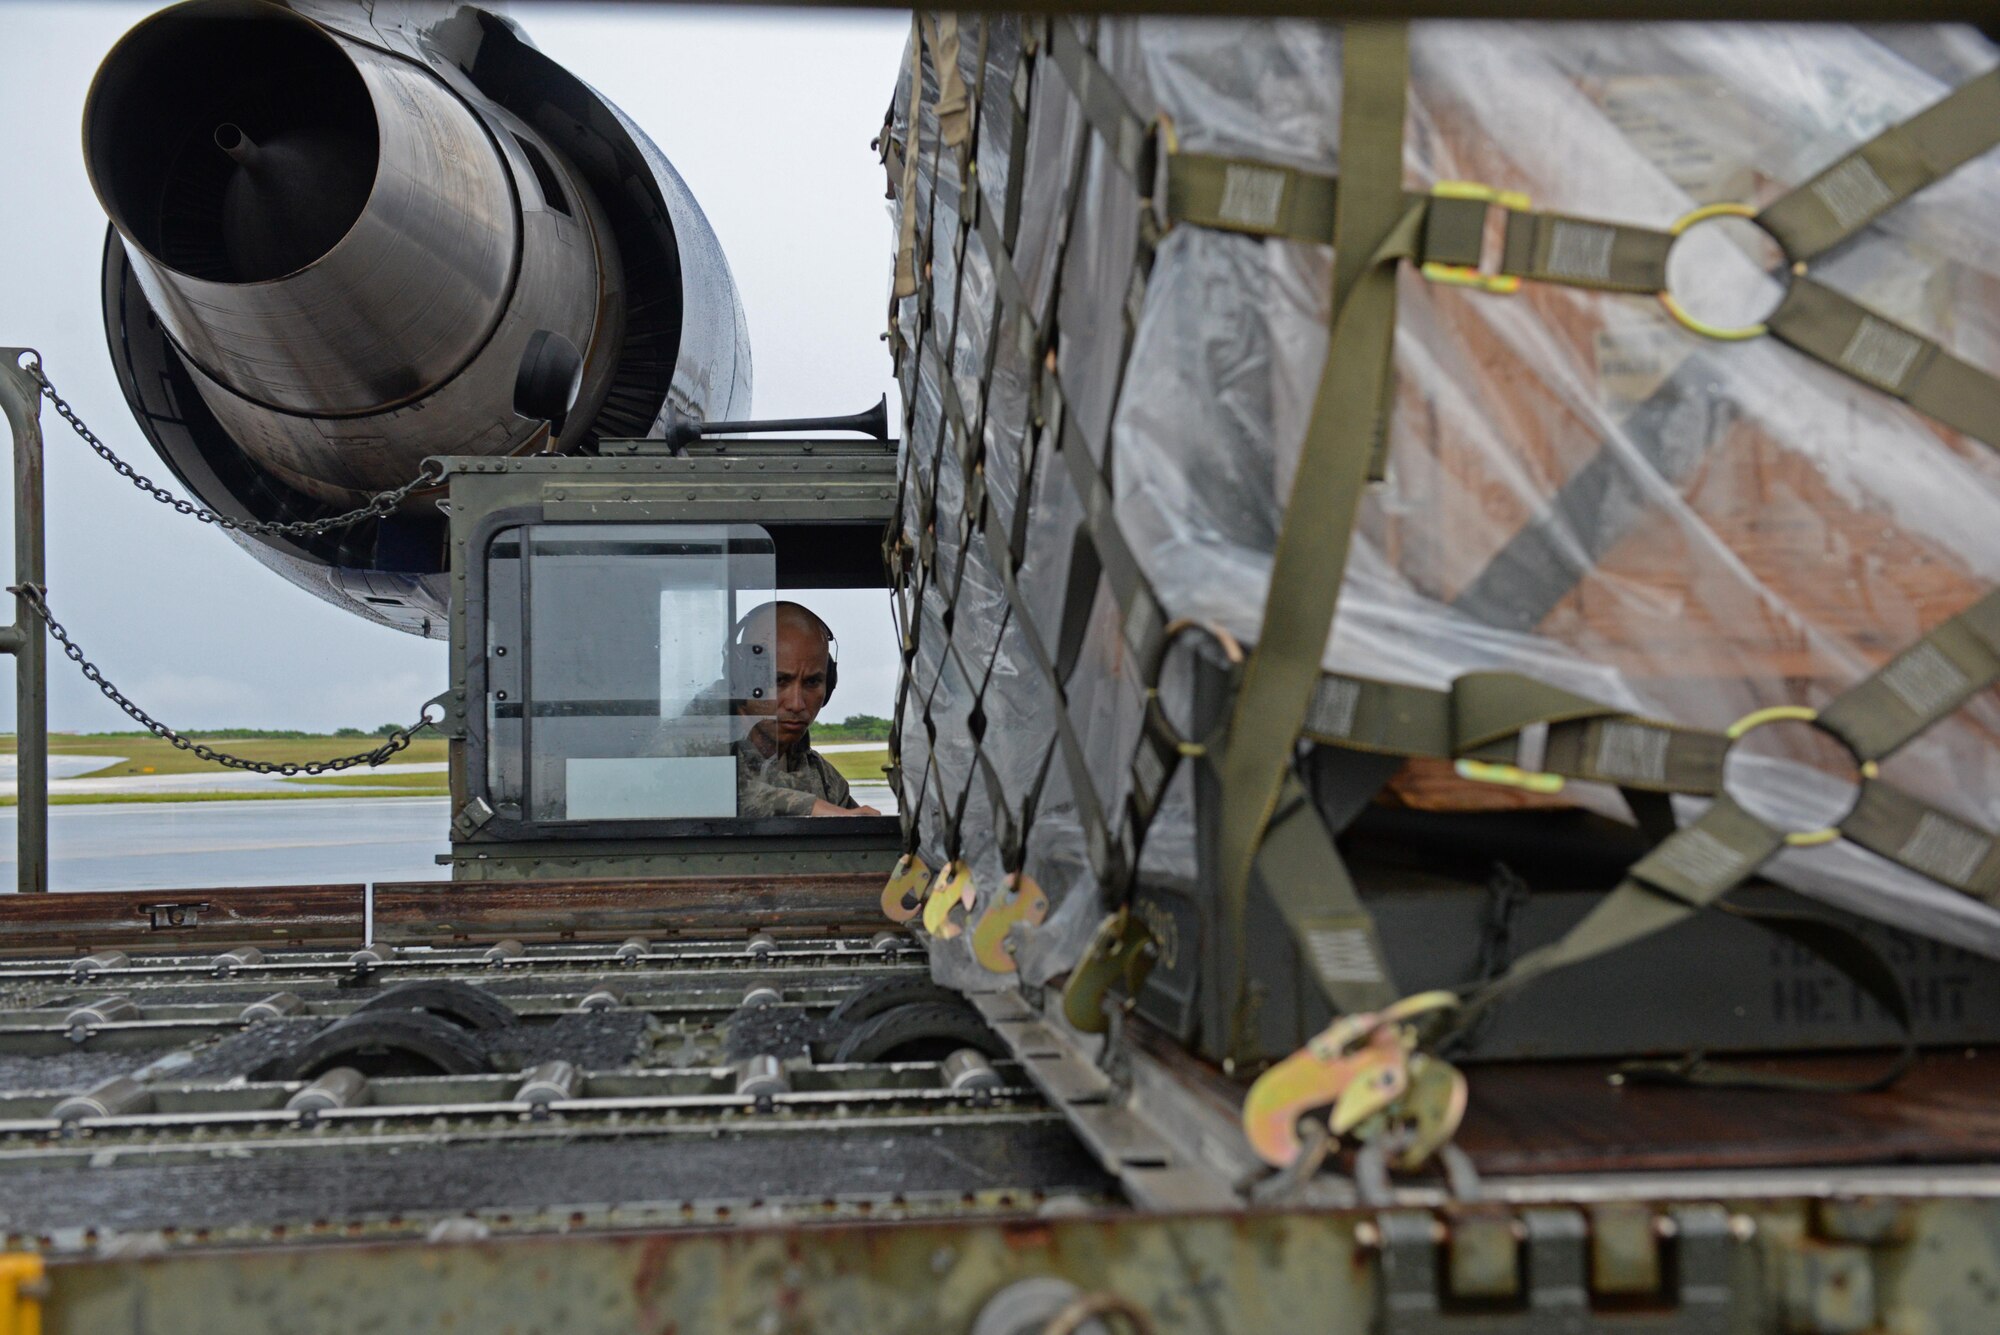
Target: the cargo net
pixel 1682 430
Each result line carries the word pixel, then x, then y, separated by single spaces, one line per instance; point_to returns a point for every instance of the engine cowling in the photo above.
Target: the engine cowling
pixel 334 235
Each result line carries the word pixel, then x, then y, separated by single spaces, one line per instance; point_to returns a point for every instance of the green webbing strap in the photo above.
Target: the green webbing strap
pixel 1878 715
pixel 1692 869
pixel 1813 318
pixel 1698 865
pixel 1257 198
pixel 1887 170
pixel 1921 685
pixel 1374 232
pixel 1492 717
pixel 1385 717
pixel 1850 954
pixel 1585 252
pixel 1514 720
pixel 1301 871
pixel 1638 755
pixel 1547 247
pixel 1267 199
pixel 1125 136
pixel 1144 623
pixel 1488 707
pixel 1914 834
pixel 1839 331
pixel 1374 102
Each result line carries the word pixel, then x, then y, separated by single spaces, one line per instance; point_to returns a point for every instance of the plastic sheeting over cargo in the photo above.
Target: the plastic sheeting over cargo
pixel 1579 489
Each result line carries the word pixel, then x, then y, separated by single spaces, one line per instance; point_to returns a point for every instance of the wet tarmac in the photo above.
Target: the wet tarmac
pixel 193 845
pixel 185 845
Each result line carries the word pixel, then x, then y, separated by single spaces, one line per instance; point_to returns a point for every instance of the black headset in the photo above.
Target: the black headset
pixel 742 670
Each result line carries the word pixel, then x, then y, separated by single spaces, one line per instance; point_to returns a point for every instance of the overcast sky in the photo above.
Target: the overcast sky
pixel 767 116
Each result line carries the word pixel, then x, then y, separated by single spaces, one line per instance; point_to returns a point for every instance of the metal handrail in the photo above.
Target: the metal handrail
pixel 21 398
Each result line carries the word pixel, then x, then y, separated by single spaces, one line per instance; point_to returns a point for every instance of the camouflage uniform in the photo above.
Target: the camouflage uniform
pixel 786 782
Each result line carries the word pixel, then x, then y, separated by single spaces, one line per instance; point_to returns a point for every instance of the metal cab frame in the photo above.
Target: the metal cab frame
pixel 825 504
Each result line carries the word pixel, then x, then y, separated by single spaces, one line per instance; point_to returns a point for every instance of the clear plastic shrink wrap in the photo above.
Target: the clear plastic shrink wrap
pixel 1579 490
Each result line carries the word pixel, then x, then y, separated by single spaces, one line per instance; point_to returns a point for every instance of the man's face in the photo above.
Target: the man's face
pixel 800 685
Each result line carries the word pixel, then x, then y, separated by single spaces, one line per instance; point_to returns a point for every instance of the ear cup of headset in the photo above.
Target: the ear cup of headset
pixel 746 661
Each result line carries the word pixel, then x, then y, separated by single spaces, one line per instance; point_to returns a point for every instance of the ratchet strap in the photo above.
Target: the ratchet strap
pixel 1505 728
pixel 1497 727
pixel 1913 834
pixel 1698 865
pixel 1373 231
pixel 1840 332
pixel 1888 169
pixel 1235 194
pixel 1850 955
pixel 1242 195
pixel 1301 871
pixel 1921 685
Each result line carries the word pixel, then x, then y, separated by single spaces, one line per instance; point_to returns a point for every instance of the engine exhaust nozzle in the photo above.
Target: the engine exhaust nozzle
pixel 324 229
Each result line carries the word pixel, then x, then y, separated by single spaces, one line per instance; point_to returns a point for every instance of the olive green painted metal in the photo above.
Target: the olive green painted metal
pixel 21 399
pixel 1255 1273
pixel 723 855
pixel 825 503
pixel 1782 1265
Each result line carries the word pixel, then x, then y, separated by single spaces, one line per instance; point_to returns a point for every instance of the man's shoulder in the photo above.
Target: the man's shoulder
pixel 831 779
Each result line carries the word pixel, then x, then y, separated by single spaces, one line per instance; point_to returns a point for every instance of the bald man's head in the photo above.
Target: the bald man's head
pixel 801 670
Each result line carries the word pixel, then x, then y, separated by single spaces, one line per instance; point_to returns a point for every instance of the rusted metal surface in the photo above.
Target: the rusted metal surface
pixel 1535 1118
pixel 292 915
pixel 1242 1273
pixel 1569 1118
pixel 438 912
pixel 1258 1271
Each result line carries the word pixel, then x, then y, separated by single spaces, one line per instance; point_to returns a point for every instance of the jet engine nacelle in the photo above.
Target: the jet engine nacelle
pixel 335 233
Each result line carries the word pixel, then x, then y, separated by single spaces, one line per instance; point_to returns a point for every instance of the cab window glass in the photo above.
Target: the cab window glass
pixel 616 684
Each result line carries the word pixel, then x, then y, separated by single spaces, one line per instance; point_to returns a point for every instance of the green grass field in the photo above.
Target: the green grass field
pixel 118 799
pixel 861 766
pixel 140 756
pixel 150 755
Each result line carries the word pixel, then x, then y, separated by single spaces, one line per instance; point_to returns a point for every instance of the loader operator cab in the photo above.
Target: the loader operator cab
pixel 619 637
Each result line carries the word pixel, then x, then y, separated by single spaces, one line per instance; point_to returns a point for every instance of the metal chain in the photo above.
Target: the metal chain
pixel 37 600
pixel 429 475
